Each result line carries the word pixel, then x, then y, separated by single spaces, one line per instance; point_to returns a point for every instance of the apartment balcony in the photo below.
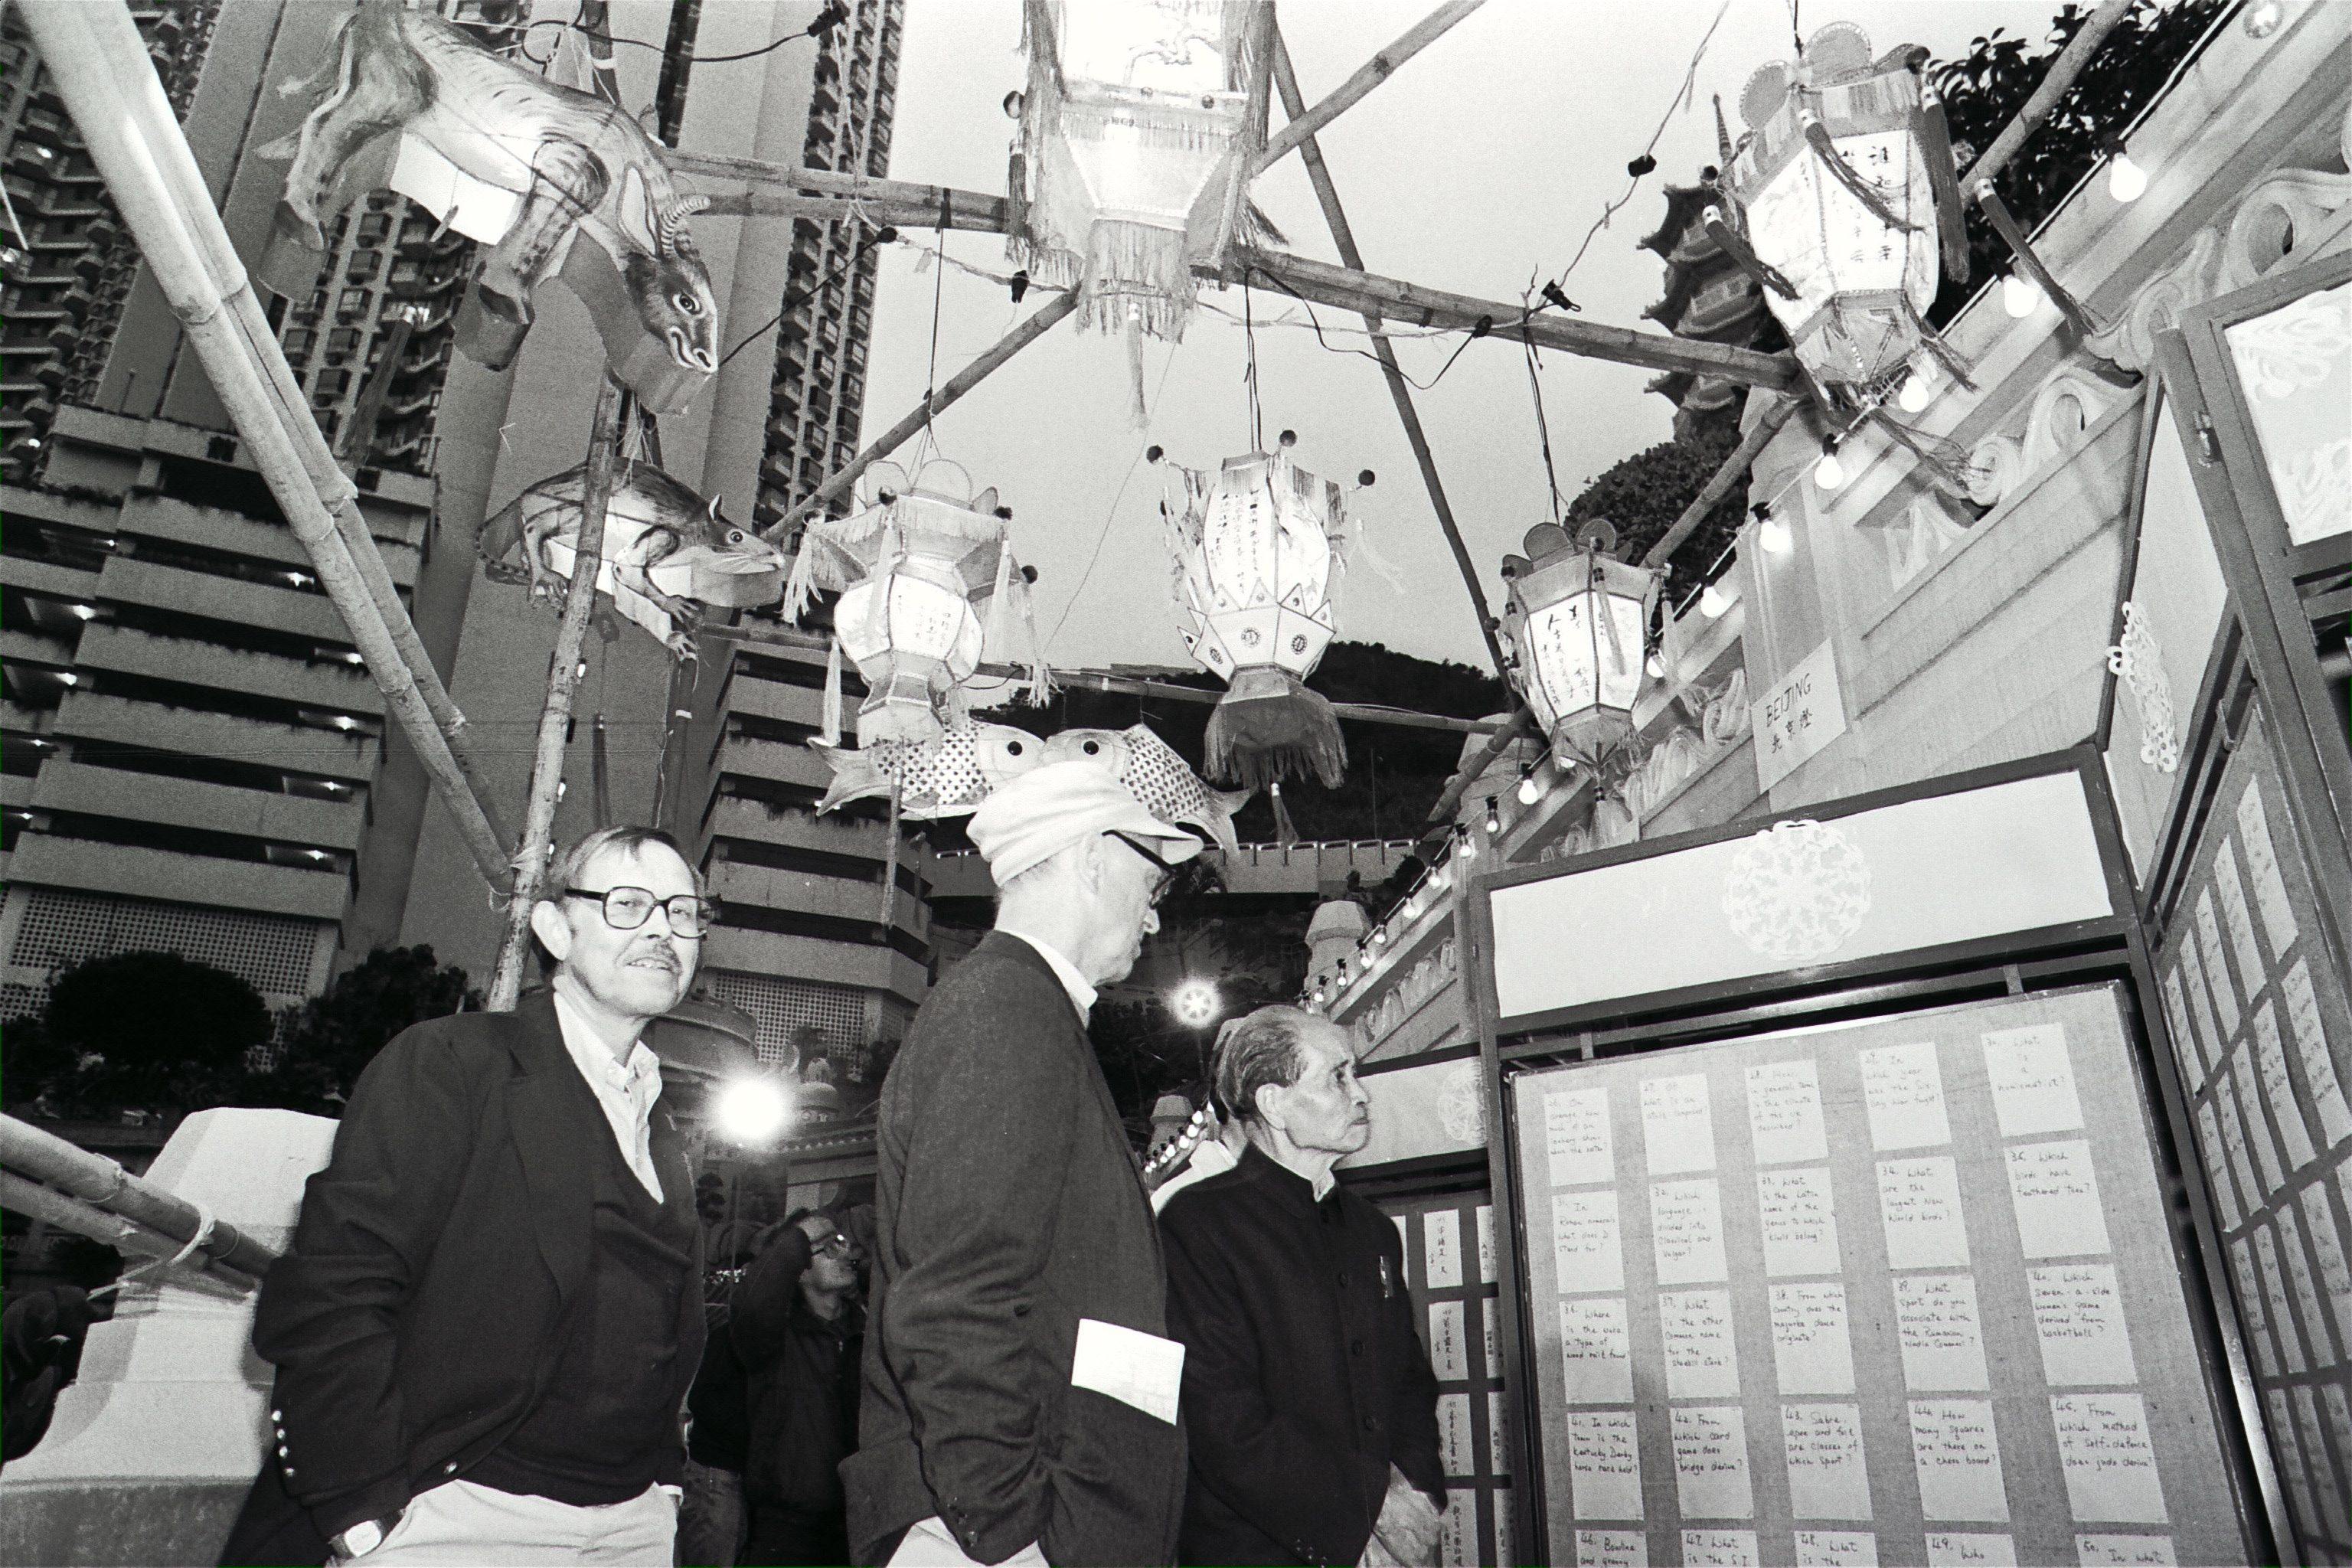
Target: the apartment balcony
pixel 135 871
pixel 131 581
pixel 41 577
pixel 786 762
pixel 93 791
pixel 813 893
pixel 93 716
pixel 810 958
pixel 162 517
pixel 342 689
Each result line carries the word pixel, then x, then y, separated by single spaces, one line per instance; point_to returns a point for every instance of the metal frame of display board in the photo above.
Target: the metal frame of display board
pixel 2113 948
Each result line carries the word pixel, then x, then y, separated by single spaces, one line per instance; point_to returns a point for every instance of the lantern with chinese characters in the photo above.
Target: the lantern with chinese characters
pixel 1578 621
pixel 1843 194
pixel 1138 129
pixel 1256 544
pixel 928 582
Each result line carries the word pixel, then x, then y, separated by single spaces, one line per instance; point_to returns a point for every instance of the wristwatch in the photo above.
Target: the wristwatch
pixel 365 1536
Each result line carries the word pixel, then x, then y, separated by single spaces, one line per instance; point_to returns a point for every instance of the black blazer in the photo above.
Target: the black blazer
pixel 1008 1208
pixel 1303 1372
pixel 424 1301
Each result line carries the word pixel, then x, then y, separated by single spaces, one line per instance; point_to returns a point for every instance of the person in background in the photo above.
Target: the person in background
pixel 711 1517
pixel 486 1324
pixel 796 1330
pixel 1310 1404
pixel 41 1336
pixel 1020 1403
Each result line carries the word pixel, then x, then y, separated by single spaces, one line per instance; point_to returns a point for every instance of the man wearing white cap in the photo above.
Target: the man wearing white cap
pixel 1021 1400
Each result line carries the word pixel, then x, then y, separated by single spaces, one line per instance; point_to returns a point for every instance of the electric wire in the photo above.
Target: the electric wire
pixel 791 304
pixel 823 22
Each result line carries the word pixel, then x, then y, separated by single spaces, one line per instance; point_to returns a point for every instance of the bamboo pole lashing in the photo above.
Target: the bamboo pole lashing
pixel 103 1184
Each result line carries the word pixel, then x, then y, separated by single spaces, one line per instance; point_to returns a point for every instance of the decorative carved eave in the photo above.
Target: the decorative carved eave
pixel 1685 206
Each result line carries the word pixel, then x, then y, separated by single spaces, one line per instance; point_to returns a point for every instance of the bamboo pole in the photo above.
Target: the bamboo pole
pixel 2045 99
pixel 101 1183
pixel 132 137
pixel 1522 723
pixel 885 201
pixel 1031 329
pixel 1319 174
pixel 1759 435
pixel 34 1201
pixel 1306 123
pixel 563 680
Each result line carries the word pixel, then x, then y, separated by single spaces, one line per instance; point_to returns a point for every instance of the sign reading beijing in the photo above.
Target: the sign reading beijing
pixel 1797 718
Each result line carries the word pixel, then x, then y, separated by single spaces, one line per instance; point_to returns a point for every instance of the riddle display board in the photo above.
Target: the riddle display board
pixel 1899 1290
pixel 2257 1013
pixel 1449 1267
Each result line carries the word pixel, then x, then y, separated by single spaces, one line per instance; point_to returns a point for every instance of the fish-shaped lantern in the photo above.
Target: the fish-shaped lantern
pixel 928 582
pixel 1157 776
pixel 667 552
pixel 1256 546
pixel 948 776
pixel 525 165
pixel 1138 127
pixel 1843 194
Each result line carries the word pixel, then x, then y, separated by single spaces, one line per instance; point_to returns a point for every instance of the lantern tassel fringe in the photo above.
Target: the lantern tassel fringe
pixel 1267 727
pixel 1817 137
pixel 1938 347
pixel 1736 247
pixel 1943 176
pixel 1285 831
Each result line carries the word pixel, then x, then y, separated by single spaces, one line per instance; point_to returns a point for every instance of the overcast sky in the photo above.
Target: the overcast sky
pixel 1481 165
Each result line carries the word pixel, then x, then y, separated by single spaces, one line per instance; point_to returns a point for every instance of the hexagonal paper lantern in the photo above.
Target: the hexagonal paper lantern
pixel 1578 622
pixel 1256 544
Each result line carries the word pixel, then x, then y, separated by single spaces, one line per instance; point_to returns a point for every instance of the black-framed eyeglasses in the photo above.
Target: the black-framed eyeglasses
pixel 627 909
pixel 835 1246
pixel 1167 871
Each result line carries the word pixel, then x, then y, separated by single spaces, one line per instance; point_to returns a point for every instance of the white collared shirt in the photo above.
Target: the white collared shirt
pixel 1082 995
pixel 626 1090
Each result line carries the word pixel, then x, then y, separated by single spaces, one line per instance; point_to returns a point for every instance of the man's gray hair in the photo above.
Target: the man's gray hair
pixel 1258 1049
pixel 567 867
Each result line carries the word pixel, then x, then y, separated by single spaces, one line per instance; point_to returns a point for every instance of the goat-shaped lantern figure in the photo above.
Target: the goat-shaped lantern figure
pixel 516 162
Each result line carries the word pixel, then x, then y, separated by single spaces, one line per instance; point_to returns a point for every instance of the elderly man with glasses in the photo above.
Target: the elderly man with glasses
pixel 490 1311
pixel 1021 1399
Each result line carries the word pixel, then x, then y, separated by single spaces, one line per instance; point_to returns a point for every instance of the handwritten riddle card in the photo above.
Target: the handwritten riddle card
pixel 1711 1477
pixel 1905 1094
pixel 2236 920
pixel 1784 1113
pixel 1686 1231
pixel 1719 1548
pixel 1454 1445
pixel 1959 1460
pixel 1592 1339
pixel 2078 1317
pixel 1605 1464
pixel 1799 1221
pixel 1827 1479
pixel 1677 1125
pixel 2259 1137
pixel 1449 1353
pixel 2033 1082
pixel 2109 1462
pixel 2217 968
pixel 1701 1361
pixel 2278 1091
pixel 1584 1246
pixel 2261 857
pixel 2201 999
pixel 1441 1240
pixel 1812 1350
pixel 1942 1338
pixel 1949 1549
pixel 2056 1196
pixel 2124 1550
pixel 1611 1549
pixel 1575 1130
pixel 2311 1049
pixel 1919 1203
pixel 1836 1549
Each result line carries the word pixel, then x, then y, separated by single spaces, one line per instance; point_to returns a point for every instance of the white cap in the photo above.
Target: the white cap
pixel 1044 811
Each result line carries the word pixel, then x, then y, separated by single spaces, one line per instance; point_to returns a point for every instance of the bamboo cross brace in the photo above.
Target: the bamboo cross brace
pixel 1768 424
pixel 555 719
pixel 1306 123
pixel 787 190
pixel 2045 99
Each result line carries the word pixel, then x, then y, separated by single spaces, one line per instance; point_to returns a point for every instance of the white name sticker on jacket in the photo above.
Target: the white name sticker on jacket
pixel 1131 1366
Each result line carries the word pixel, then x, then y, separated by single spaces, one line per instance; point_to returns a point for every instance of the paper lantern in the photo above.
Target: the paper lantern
pixel 1256 544
pixel 1137 130
pixel 928 582
pixel 1843 195
pixel 1578 622
pixel 525 165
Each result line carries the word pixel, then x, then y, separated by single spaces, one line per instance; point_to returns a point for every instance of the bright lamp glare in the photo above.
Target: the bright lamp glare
pixel 1712 602
pixel 1774 536
pixel 2126 181
pixel 1196 1002
pixel 2020 296
pixel 751 1109
pixel 1531 792
pixel 1913 398
pixel 1829 473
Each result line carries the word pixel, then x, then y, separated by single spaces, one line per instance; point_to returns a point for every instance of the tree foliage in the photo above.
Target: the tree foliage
pixel 341 1030
pixel 1645 493
pixel 153 1029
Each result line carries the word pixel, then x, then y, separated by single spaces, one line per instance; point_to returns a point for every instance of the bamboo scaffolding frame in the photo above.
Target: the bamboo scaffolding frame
pixel 2045 98
pixel 787 190
pixel 94 55
pixel 103 1187
pixel 1306 123
pixel 532 850
pixel 1759 435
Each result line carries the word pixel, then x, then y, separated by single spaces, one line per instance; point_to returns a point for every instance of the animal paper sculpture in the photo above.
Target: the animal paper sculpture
pixel 522 164
pixel 946 777
pixel 1842 191
pixel 1255 544
pixel 1138 129
pixel 667 552
pixel 1157 776
pixel 917 568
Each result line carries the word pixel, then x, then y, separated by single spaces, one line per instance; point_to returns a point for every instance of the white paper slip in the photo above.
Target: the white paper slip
pixel 2237 920
pixel 1490 1316
pixel 2304 1020
pixel 1905 1093
pixel 1584 1248
pixel 1449 1351
pixel 2078 1317
pixel 2217 1165
pixel 1919 1203
pixel 1942 1337
pixel 2317 1335
pixel 2217 968
pixel 2282 1316
pixel 2200 997
pixel 1498 1434
pixel 1611 1549
pixel 1949 1549
pixel 1576 1134
pixel 2187 1049
pixel 2124 1550
pixel 1799 1221
pixel 1836 1549
pixel 2056 1195
pixel 1784 1113
pixel 2335 1269
pixel 2278 1088
pixel 1719 1548
pixel 2326 1482
pixel 2262 858
pixel 1686 1231
pixel 1958 1461
pixel 1827 1478
pixel 2250 1291
pixel 2259 1137
pixel 1505 1552
pixel 1131 1366
pixel 1455 1450
pixel 2291 1468
pixel 1593 1347
pixel 1812 1350
pixel 1457 1527
pixel 1711 1478
pixel 2108 1459
pixel 1701 1361
pixel 1441 1244
pixel 2033 1081
pixel 1677 1125
pixel 1486 1243
pixel 2233 1136
pixel 1605 1464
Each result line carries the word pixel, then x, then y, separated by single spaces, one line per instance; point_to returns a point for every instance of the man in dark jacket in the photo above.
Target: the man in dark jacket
pixel 1019 1403
pixel 492 1309
pixel 1309 1405
pixel 796 1327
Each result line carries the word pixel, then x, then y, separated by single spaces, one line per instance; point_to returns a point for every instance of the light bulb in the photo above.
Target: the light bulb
pixel 1913 398
pixel 1656 667
pixel 2126 181
pixel 1775 538
pixel 1711 602
pixel 1469 846
pixel 1380 935
pixel 1494 820
pixel 1531 792
pixel 1829 473
pixel 2020 296
pixel 1320 995
pixel 2264 17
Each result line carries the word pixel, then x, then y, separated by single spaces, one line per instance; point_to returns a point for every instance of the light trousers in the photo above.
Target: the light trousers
pixel 461 1525
pixel 931 1544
